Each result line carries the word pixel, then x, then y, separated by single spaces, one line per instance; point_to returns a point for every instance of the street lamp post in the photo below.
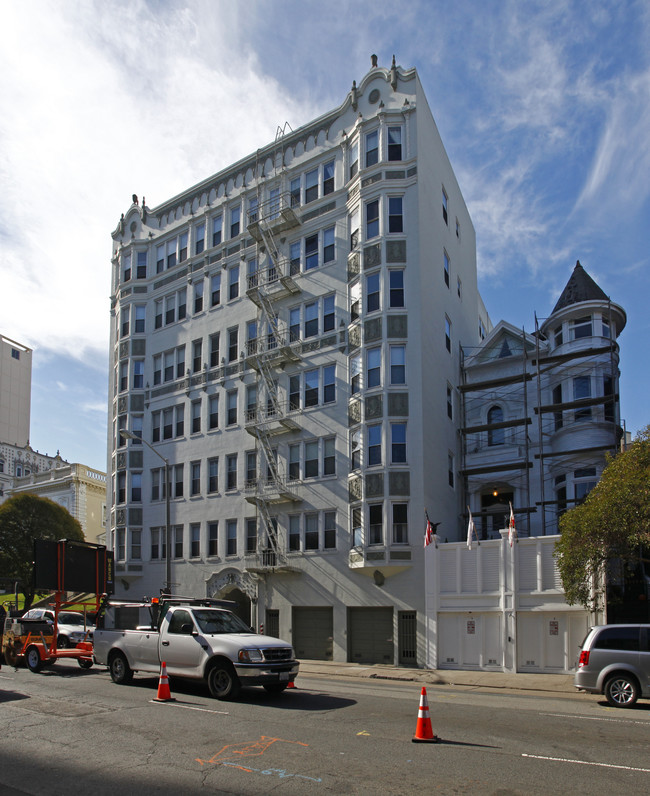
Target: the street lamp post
pixel 168 558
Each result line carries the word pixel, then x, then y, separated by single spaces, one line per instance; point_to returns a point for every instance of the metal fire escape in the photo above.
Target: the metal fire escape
pixel 268 354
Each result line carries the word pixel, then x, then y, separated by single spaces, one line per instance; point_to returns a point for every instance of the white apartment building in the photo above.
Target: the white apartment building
pixel 286 337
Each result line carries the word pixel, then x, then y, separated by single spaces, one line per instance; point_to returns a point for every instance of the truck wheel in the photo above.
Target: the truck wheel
pixel 622 691
pixel 275 688
pixel 62 642
pixel 223 682
pixel 121 672
pixel 33 659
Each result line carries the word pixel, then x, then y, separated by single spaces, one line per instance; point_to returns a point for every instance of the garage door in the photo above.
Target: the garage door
pixel 313 633
pixel 370 631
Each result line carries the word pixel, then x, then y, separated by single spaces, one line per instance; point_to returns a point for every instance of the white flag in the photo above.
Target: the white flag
pixel 471 529
pixel 512 531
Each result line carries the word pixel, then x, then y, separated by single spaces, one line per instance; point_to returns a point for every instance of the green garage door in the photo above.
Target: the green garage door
pixel 370 631
pixel 313 633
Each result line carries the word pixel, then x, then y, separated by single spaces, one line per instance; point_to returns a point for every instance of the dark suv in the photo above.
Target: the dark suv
pixel 615 661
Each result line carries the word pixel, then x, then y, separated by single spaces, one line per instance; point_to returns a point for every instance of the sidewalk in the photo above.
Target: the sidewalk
pixel 559 683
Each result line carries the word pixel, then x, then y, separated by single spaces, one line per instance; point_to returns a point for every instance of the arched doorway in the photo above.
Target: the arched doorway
pixel 243 601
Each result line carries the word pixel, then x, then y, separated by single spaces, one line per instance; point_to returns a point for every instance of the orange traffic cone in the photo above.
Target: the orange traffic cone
pixel 164 694
pixel 423 730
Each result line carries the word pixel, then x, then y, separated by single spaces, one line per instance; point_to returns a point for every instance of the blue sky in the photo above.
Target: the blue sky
pixel 544 108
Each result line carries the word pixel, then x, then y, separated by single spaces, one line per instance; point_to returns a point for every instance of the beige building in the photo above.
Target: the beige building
pixel 15 391
pixel 79 489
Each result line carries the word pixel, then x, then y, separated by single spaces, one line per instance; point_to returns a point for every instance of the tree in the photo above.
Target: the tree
pixel 612 524
pixel 26 517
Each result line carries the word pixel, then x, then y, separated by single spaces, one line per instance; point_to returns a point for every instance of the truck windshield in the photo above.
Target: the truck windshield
pixel 211 621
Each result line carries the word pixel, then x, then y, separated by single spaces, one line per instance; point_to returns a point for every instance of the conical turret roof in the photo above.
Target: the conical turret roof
pixel 580 287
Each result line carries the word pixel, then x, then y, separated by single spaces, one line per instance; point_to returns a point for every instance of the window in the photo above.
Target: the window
pixel 311 459
pixel 294 258
pixel 124 376
pixel 582 390
pixel 311 319
pixel 155 426
pixel 231 537
pixel 140 315
pixel 124 317
pixel 160 258
pixel 233 283
pixel 195 482
pixel 448 334
pixel 396 288
pixel 198 296
pixel 251 535
pixel 294 532
pixel 372 219
pixel 294 462
pixel 446 266
pixel 294 392
pixel 355 374
pixel 372 148
pixel 459 287
pixel 178 480
pixel 311 388
pixel 231 471
pixel 157 480
pixel 610 405
pixel 398 443
pixel 120 544
pixel 213 411
pixel 235 217
pixel 136 544
pixel 373 362
pixel 580 327
pixel 496 436
pixel 355 526
pixel 182 247
pixel 329 458
pixel 395 218
pixel 180 421
pixel 158 314
pixel 138 374
pixel 136 429
pixel 231 407
pixel 311 186
pixel 197 353
pixel 251 403
pixel 294 192
pixel 328 178
pixel 557 414
pixel 395 143
pixel 328 245
pixel 329 384
pixel 445 207
pixel 199 239
pixel 136 487
pixel 171 253
pixel 450 469
pixel 121 487
pixel 311 531
pixel 215 290
pixel 141 269
pixel 375 524
pixel 372 292
pixel 458 229
pixel 217 224
pixel 178 541
pixel 354 160
pixel 329 530
pixel 251 469
pixel 196 416
pixel 584 480
pixel 126 268
pixel 213 475
pixel 252 210
pixel 195 540
pixel 213 538
pixel 355 449
pixel 252 277
pixel 450 402
pixel 328 314
pixel 214 350
pixel 158 543
pixel 355 301
pixel 311 252
pixel 400 524
pixel 398 364
pixel 374 445
pixel 233 344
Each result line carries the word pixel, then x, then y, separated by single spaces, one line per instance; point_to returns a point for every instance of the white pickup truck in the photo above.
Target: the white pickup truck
pixel 199 640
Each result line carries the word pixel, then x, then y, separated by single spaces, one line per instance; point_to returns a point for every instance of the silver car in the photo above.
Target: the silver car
pixel 72 627
pixel 615 661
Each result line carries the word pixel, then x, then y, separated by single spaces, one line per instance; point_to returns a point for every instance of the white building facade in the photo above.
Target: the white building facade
pixel 285 336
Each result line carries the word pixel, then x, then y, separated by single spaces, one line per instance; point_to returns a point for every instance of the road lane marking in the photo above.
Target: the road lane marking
pixel 587 763
pixel 190 707
pixel 594 718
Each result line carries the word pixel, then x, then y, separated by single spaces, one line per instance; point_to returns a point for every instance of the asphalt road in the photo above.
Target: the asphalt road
pixel 69 731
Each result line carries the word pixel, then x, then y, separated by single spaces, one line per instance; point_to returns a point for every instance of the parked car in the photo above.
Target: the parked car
pixel 615 661
pixel 72 628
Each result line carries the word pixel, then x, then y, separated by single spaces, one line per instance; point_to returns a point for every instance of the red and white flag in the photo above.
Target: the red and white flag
pixel 428 533
pixel 512 531
pixel 471 530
